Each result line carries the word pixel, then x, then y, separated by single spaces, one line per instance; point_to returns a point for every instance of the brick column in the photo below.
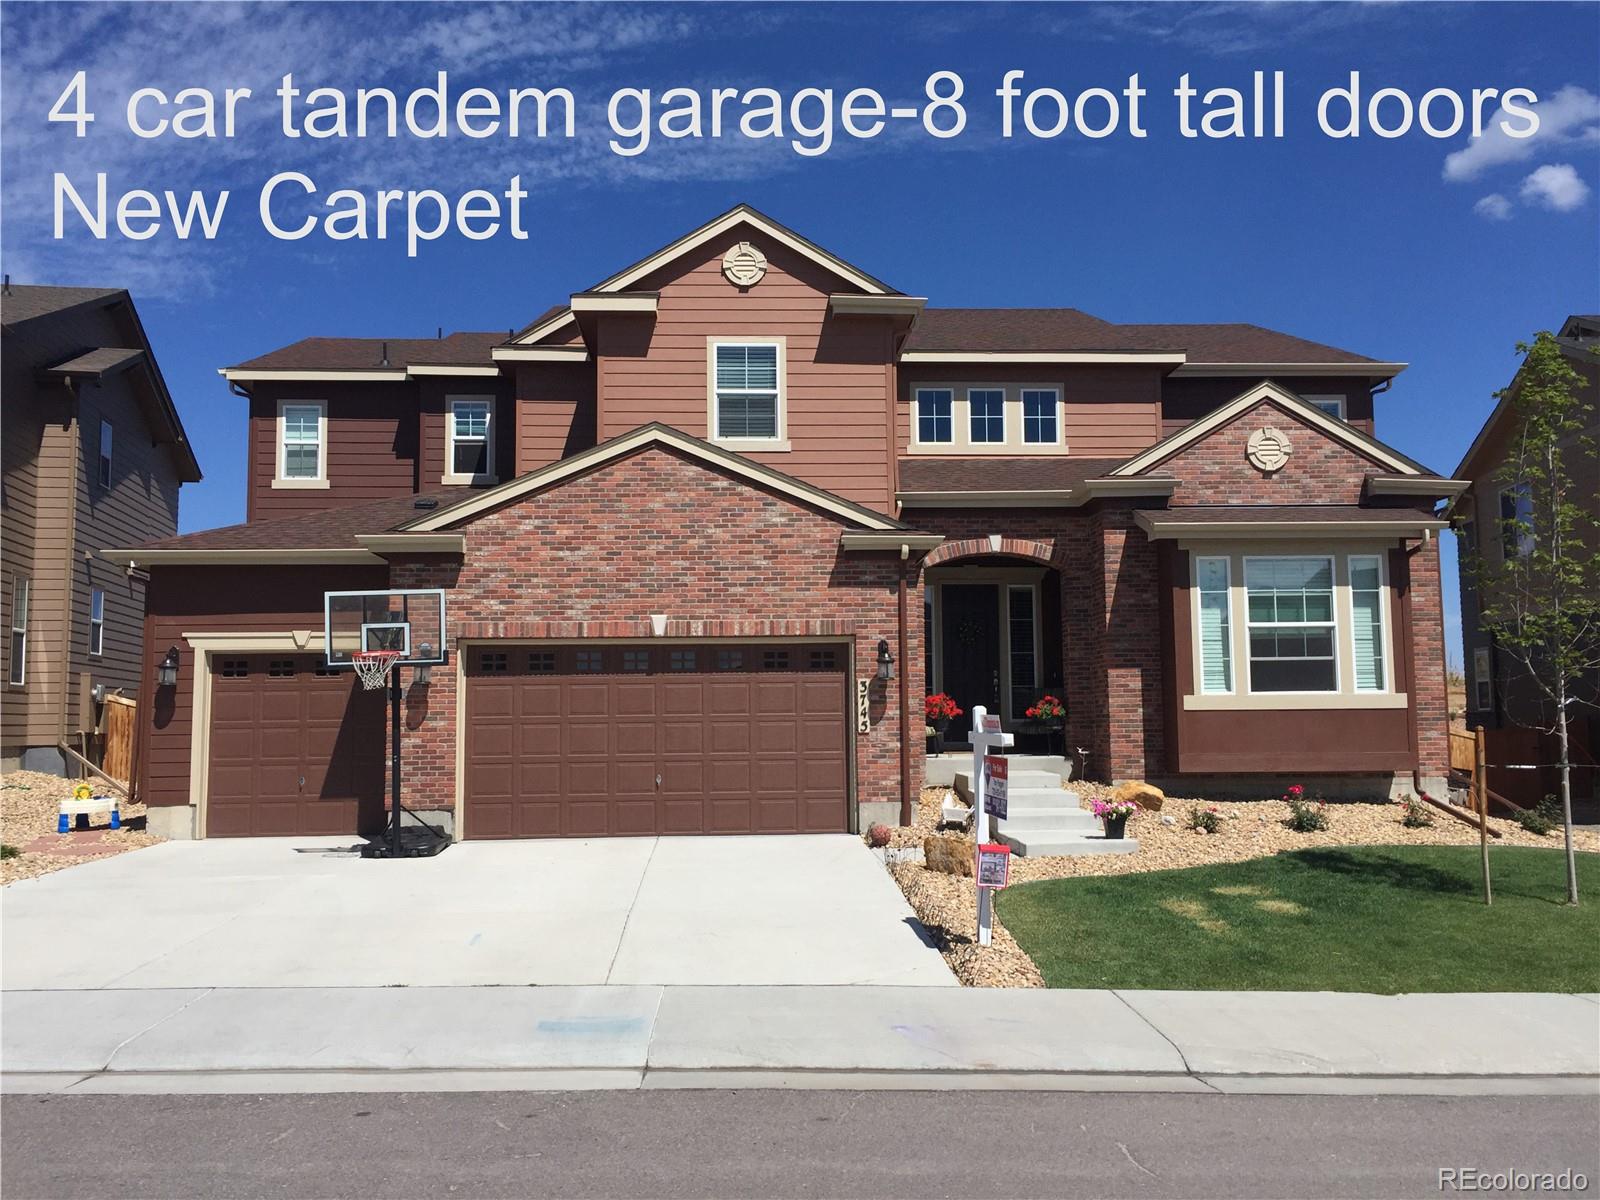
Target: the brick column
pixel 1428 693
pixel 1130 651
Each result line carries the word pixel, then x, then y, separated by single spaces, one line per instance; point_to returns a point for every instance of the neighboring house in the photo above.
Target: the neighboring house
pixel 684 517
pixel 1499 697
pixel 94 454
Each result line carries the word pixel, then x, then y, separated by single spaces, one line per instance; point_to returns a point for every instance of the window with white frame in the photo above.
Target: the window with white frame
pixel 986 411
pixel 19 629
pixel 1291 628
pixel 1216 634
pixel 1041 425
pixel 1333 405
pixel 1482 680
pixel 302 442
pixel 1021 629
pixel 470 434
pixel 97 620
pixel 745 391
pixel 935 421
pixel 1516 520
pixel 105 454
pixel 1366 621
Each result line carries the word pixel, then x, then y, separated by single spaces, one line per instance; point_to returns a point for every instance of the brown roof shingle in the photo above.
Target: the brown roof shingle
pixel 331 529
pixel 367 354
pixel 927 474
pixel 25 301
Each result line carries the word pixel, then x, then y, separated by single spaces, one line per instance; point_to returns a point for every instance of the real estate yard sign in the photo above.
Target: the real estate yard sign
pixel 995 783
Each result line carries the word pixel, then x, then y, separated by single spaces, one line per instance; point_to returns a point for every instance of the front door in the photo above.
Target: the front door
pixel 970 643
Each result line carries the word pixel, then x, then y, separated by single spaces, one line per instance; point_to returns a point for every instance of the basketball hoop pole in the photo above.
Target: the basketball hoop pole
pixel 394 759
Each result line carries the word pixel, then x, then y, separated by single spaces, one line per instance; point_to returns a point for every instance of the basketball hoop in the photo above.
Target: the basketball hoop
pixel 372 666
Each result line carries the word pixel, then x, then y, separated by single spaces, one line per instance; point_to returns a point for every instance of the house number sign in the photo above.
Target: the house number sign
pixel 863 721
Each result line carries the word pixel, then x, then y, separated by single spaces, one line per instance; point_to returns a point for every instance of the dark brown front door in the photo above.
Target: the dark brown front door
pixel 619 740
pixel 296 749
pixel 969 630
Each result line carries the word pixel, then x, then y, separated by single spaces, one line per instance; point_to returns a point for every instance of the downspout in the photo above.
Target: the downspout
pixel 905 697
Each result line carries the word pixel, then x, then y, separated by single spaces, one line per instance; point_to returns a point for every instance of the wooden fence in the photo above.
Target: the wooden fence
pixel 121 720
pixel 1462 754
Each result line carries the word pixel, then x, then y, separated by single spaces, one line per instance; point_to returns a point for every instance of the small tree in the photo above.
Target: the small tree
pixel 1541 600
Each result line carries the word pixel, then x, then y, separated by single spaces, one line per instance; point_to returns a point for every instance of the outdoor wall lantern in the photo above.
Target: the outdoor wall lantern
pixel 167 669
pixel 885 660
pixel 423 673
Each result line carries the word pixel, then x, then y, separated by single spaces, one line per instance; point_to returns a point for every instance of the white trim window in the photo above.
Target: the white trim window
pixel 469 440
pixel 1482 680
pixel 20 587
pixel 97 621
pixel 1516 520
pixel 986 416
pixel 1332 405
pixel 1041 417
pixel 1215 624
pixel 105 455
pixel 1022 645
pixel 747 391
pixel 935 416
pixel 1291 631
pixel 1366 622
pixel 302 443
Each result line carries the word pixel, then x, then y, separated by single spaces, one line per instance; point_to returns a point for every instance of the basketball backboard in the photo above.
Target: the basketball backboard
pixel 410 620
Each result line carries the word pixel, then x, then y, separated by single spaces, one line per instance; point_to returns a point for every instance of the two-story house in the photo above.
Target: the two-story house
pixel 1500 697
pixel 93 454
pixel 710 529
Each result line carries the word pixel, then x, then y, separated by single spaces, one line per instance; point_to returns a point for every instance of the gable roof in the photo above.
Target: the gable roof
pixel 646 436
pixel 1272 393
pixel 739 214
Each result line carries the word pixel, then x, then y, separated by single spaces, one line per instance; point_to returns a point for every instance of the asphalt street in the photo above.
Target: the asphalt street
pixel 780 1143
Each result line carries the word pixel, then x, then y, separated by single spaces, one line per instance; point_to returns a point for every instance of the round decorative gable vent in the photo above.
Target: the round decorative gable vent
pixel 744 265
pixel 1268 449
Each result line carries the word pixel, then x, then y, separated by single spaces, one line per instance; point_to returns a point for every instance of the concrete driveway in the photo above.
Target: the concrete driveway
pixel 296 912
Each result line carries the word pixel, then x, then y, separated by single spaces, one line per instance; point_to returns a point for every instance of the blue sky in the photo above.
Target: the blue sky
pixel 1440 253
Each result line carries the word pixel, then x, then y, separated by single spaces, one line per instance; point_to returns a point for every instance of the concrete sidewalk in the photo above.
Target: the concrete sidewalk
pixel 521 1038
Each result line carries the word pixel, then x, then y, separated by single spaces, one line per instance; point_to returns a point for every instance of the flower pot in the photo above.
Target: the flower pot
pixel 1115 826
pixel 940 724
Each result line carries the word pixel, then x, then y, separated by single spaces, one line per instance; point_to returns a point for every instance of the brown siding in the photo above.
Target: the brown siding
pixel 434 394
pixel 1107 411
pixel 1184 400
pixel 371 445
pixel 838 374
pixel 218 600
pixel 555 412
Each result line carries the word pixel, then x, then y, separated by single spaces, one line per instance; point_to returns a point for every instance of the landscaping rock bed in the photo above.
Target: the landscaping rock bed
pixel 28 816
pixel 1246 829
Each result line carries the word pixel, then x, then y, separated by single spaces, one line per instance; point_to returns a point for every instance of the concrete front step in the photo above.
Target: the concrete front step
pixel 941 769
pixel 1018 781
pixel 1040 820
pixel 1037 845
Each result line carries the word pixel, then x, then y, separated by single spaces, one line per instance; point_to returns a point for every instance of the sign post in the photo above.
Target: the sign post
pixel 986 736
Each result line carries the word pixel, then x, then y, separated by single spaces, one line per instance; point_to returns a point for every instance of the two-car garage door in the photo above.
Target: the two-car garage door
pixel 613 740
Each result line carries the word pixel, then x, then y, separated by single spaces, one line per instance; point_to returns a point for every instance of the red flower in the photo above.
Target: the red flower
pixel 939 707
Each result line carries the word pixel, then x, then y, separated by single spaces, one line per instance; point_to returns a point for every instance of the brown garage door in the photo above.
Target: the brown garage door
pixel 295 749
pixel 617 740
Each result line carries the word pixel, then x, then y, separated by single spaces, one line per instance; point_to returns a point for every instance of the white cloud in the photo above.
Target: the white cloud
pixel 1555 186
pixel 1570 115
pixel 1493 207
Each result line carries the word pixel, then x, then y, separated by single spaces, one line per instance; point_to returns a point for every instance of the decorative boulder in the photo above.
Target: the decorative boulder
pixel 1146 795
pixel 948 853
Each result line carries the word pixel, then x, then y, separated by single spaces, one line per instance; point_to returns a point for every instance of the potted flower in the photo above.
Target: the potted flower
pixel 1051 714
pixel 1114 816
pixel 938 709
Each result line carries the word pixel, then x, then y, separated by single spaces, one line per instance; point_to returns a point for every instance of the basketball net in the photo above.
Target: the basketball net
pixel 373 666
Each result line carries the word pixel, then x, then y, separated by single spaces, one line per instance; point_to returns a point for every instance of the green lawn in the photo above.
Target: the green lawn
pixel 1351 919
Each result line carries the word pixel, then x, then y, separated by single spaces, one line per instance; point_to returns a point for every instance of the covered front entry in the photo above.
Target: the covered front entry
pixel 296 749
pixel 629 739
pixel 993 635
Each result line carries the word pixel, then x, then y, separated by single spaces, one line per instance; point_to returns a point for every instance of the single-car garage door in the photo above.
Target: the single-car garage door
pixel 296 748
pixel 618 740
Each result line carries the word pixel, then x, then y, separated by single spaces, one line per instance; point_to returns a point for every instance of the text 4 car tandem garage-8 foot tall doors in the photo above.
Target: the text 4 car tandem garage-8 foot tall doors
pixel 612 740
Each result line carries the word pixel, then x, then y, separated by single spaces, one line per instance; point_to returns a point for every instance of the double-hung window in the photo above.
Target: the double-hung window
pixel 1291 635
pixel 302 443
pixel 470 433
pixel 1516 520
pixel 105 454
pixel 986 408
pixel 746 391
pixel 97 621
pixel 19 630
pixel 935 424
pixel 1216 633
pixel 1040 424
